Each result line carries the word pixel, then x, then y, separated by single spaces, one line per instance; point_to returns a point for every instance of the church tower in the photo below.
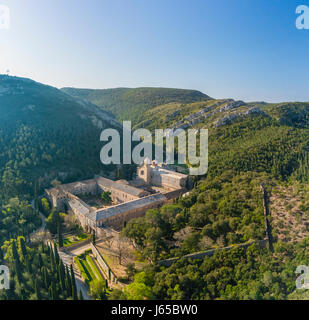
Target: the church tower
pixel 144 172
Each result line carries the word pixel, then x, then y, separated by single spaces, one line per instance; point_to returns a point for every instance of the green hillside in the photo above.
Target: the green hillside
pixel 248 144
pixel 130 104
pixel 44 135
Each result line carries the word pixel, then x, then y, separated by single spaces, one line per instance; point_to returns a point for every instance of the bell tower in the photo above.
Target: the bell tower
pixel 144 172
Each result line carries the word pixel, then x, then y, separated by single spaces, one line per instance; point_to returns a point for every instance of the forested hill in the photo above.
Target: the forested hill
pixel 45 134
pixel 249 143
pixel 130 104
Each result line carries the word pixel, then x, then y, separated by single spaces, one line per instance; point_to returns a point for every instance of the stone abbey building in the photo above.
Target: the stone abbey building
pixel 155 185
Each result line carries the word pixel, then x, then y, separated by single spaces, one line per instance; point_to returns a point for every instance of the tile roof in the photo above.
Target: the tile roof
pixel 126 206
pixel 120 186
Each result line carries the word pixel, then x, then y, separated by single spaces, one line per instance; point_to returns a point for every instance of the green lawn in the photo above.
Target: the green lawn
pixel 94 267
pixel 78 238
pixel 83 270
pixel 88 268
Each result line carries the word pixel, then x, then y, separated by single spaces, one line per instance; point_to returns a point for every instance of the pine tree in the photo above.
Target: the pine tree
pixel 74 289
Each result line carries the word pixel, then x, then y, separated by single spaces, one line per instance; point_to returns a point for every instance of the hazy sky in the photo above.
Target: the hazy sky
pixel 242 49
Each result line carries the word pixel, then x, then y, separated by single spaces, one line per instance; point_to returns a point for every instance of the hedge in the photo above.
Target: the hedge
pixel 94 268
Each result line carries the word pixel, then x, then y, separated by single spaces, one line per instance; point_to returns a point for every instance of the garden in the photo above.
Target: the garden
pixel 88 268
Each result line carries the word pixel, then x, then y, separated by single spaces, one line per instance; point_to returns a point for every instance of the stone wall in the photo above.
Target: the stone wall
pixel 209 253
pixel 117 221
pixel 107 270
pixel 171 195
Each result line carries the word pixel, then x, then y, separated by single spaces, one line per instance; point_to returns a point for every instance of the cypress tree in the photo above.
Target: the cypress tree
pixel 56 254
pixel 1 254
pixel 40 261
pixel 60 238
pixel 93 237
pixel 28 265
pixel 74 289
pixel 18 271
pixel 23 247
pixel 54 291
pixel 68 282
pixel 62 276
pixel 52 259
pixel 50 292
pixel 47 250
pixel 36 200
pixel 46 277
pixel 17 262
pixel 14 251
pixel 37 290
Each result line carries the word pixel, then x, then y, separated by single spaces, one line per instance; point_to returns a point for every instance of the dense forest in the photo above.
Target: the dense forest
pixel 44 135
pixel 252 273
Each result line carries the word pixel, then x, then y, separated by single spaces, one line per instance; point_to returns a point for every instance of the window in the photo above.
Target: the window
pixel 142 172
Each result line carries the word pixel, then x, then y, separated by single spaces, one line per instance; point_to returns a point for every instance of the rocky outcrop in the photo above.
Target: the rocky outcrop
pixel 233 116
pixel 232 105
pixel 97 115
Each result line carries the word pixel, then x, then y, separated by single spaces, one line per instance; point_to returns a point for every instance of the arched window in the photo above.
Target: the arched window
pixel 142 172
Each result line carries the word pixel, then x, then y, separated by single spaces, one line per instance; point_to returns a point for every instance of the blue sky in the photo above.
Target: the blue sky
pixel 241 49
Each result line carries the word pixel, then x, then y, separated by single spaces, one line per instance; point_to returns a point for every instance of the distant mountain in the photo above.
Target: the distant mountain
pixel 130 104
pixel 46 134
